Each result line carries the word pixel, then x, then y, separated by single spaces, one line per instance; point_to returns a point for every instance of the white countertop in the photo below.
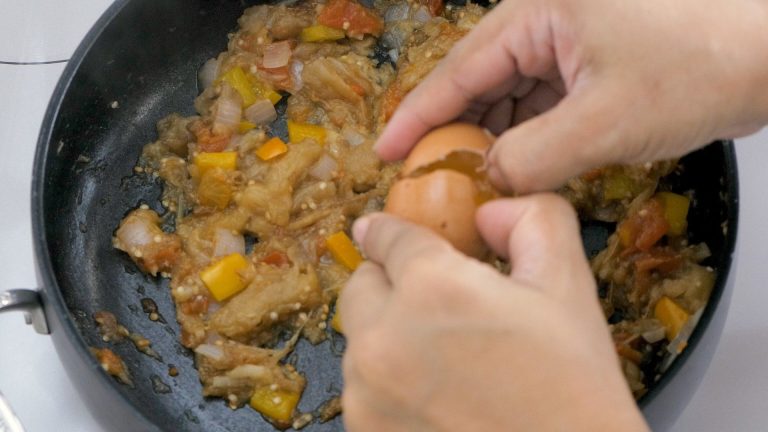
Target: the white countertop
pixel 732 397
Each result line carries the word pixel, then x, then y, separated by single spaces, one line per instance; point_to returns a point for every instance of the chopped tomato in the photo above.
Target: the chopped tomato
pixel 643 229
pixel 277 259
pixel 350 16
pixel 357 88
pixel 321 246
pixel 164 256
pixel 661 259
pixel 435 6
pixel 392 97
pixel 628 353
pixel 195 305
pixel 279 77
pixel 592 174
pixel 207 140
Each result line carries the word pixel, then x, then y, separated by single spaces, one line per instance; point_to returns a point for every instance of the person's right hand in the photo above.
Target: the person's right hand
pixel 588 83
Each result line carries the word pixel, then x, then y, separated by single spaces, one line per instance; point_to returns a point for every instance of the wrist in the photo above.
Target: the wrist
pixel 748 67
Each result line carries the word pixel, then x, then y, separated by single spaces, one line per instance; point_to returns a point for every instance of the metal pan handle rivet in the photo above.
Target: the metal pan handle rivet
pixel 28 301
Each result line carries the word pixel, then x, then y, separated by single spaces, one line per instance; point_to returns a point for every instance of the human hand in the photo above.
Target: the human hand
pixel 439 341
pixel 598 81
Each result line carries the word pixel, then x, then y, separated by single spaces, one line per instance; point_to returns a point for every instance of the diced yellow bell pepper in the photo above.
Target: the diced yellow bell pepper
pixel 343 250
pixel 238 79
pixel 675 211
pixel 214 189
pixel 245 126
pixel 278 405
pixel 262 90
pixel 271 149
pixel 336 321
pixel 270 94
pixel 616 187
pixel 626 236
pixel 671 315
pixel 321 33
pixel 224 160
pixel 224 277
pixel 297 132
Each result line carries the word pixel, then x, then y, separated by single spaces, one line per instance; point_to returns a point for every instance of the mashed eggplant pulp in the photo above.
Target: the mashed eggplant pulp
pixel 258 249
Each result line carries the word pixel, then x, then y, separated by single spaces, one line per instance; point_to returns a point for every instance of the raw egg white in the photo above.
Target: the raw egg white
pixel 441 186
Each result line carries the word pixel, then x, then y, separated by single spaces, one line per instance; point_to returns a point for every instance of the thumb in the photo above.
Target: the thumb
pixel 539 235
pixel 585 130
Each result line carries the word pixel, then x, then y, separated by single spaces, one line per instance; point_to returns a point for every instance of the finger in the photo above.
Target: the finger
pixel 400 246
pixel 540 236
pixel 484 66
pixel 364 406
pixel 558 86
pixel 498 117
pixel 578 134
pixel 474 113
pixel 363 299
pixel 524 87
pixel 539 100
pixel 522 114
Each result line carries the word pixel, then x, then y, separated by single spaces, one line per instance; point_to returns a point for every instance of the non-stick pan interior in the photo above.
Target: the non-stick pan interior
pixel 139 69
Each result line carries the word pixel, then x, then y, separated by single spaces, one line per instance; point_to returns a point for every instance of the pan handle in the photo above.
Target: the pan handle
pixel 8 420
pixel 28 301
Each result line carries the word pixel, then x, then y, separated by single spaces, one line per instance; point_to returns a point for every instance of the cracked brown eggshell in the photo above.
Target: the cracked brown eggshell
pixel 444 200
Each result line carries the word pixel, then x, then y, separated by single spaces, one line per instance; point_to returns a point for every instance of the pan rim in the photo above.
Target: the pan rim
pixel 724 274
pixel 49 286
pixel 55 301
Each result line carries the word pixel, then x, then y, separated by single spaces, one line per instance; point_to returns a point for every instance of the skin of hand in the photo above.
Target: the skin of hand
pixel 437 341
pixel 589 83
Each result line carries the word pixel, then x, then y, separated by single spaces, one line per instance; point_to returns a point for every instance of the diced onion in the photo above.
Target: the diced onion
pixel 212 336
pixel 422 14
pixel 654 335
pixel 208 73
pixel 397 12
pixel 261 112
pixel 276 55
pixel 324 168
pixel 393 54
pixel 228 108
pixel 394 39
pixel 353 137
pixel 211 351
pixel 248 371
pixel 135 232
pixel 678 344
pixel 226 243
pixel 297 68
pixel 213 306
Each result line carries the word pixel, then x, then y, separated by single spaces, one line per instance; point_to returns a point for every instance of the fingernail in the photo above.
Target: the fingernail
pixel 377 144
pixel 360 229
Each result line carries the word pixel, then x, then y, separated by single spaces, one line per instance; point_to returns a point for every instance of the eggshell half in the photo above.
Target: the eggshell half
pixel 442 198
pixel 440 142
pixel 443 201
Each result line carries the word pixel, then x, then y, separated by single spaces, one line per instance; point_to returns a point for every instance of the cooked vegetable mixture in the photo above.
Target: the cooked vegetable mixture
pixel 255 235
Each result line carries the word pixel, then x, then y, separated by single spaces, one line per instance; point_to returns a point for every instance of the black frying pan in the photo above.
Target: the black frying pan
pixel 144 55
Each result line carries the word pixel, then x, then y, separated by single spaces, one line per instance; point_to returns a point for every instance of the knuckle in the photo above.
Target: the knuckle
pixel 356 413
pixel 371 357
pixel 549 203
pixel 508 162
pixel 386 233
pixel 429 261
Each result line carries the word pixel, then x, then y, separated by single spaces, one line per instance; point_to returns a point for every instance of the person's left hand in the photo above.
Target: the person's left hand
pixel 439 341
